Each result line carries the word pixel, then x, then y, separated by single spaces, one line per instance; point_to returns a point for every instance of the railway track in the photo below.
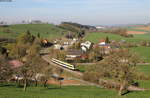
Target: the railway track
pixel 80 75
pixel 75 73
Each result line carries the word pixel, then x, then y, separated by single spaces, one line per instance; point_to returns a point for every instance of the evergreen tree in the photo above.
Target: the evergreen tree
pixel 107 40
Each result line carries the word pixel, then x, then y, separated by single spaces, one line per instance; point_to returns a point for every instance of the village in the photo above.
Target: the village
pixel 79 49
pixel 69 60
pixel 74 49
pixel 73 60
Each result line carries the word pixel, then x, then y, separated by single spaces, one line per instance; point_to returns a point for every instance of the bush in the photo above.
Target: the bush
pixel 142 76
pixel 118 31
pixel 7 31
pixel 91 76
pixel 145 43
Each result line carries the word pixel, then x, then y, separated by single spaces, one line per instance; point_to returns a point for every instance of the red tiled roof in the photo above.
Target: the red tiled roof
pixel 15 63
pixel 102 40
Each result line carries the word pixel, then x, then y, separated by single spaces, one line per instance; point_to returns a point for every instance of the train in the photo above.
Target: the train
pixel 64 64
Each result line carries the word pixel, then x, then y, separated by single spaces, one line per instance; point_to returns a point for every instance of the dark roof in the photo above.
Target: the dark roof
pixel 74 52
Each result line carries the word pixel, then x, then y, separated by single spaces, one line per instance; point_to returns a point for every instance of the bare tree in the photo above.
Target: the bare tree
pixel 119 66
pixel 5 69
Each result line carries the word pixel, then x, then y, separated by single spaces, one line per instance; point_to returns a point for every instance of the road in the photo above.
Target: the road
pixel 95 63
pixel 143 64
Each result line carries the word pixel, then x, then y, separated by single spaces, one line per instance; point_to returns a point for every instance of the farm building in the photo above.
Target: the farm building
pixel 104 47
pixel 102 42
pixel 100 27
pixel 46 43
pixel 58 46
pixel 73 54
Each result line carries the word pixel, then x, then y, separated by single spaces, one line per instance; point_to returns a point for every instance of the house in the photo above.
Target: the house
pixel 15 63
pixel 72 41
pixel 86 46
pixel 58 46
pixel 100 27
pixel 73 54
pixel 46 43
pixel 102 42
pixel 106 48
pixel 66 43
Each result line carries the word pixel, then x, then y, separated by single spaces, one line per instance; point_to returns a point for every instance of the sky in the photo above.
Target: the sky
pixel 91 12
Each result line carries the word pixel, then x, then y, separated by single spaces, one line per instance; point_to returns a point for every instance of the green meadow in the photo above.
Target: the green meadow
pixel 137 29
pixel 67 92
pixel 143 52
pixel 45 30
pixel 53 91
pixel 95 37
pixel 144 68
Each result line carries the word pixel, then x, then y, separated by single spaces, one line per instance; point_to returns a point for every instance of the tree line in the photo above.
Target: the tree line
pixel 118 31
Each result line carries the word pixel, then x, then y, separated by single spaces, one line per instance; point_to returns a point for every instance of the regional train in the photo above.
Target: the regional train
pixel 64 64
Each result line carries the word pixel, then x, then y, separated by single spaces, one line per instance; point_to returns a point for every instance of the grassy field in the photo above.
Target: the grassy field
pixel 67 92
pixel 54 91
pixel 95 37
pixel 75 91
pixel 143 52
pixel 138 29
pixel 141 68
pixel 45 30
pixel 82 68
pixel 144 68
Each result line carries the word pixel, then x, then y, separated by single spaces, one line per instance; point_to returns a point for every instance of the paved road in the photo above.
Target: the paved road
pixel 84 64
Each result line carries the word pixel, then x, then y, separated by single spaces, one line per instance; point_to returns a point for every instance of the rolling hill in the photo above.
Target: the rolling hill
pixel 45 30
pixel 95 37
pixel 142 51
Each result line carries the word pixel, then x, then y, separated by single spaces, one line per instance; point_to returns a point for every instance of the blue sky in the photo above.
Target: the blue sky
pixel 94 12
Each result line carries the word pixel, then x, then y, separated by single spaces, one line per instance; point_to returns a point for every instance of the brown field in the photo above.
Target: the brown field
pixel 144 28
pixel 65 82
pixel 136 32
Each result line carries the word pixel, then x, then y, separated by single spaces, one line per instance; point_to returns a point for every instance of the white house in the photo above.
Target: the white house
pixel 86 46
pixel 57 46
pixel 100 27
